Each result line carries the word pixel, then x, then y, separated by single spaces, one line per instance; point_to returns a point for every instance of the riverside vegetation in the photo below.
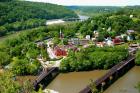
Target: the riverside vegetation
pixel 93 58
pixel 18 52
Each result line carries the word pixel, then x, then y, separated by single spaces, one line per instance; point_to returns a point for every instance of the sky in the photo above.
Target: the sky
pixel 92 2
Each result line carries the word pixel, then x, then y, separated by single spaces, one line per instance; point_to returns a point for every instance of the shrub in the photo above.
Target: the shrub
pixel 137 61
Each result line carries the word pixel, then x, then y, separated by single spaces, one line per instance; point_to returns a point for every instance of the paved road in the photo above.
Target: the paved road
pixel 50 51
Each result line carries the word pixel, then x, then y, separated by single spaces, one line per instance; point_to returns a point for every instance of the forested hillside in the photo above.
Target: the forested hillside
pixel 20 15
pixel 19 51
pixel 94 10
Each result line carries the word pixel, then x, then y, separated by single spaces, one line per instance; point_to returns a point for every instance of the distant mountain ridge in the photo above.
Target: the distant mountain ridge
pixel 20 15
pixel 93 10
pixel 22 10
pixel 99 10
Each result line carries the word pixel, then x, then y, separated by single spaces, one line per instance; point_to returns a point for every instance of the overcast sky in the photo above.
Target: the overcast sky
pixel 92 2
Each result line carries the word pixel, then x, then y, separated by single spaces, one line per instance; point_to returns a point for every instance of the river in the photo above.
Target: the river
pixel 61 21
pixel 127 83
pixel 83 17
pixel 73 82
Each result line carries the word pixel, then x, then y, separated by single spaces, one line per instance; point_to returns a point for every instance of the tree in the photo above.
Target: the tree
pixel 44 54
pixel 4 59
pixel 65 41
pixel 97 58
pixel 137 61
pixel 9 85
pixel 3 31
pixel 93 87
pixel 19 66
pixel 100 38
pixel 56 40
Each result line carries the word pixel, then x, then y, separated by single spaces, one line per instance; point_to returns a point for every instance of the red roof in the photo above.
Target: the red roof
pixel 60 52
pixel 117 41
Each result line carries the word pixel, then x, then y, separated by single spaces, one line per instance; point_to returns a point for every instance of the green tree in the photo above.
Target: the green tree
pixel 8 85
pixel 93 87
pixel 19 66
pixel 4 59
pixel 3 31
pixel 137 60
pixel 100 38
pixel 65 41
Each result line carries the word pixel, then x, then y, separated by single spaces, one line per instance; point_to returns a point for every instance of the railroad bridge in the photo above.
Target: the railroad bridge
pixel 102 83
pixel 45 77
pixel 112 75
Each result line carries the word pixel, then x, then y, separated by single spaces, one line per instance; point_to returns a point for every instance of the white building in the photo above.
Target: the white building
pixel 110 43
pixel 88 37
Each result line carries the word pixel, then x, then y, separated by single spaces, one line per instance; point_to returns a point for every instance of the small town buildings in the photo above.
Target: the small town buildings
pixel 75 41
pixel 71 47
pixel 96 33
pixel 59 51
pixel 131 16
pixel 130 37
pixel 100 44
pixel 129 32
pixel 117 41
pixel 123 35
pixel 88 37
pixel 40 44
pixel 110 43
pixel 84 42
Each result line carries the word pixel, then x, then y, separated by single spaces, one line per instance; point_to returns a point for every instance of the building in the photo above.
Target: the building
pixel 84 42
pixel 74 41
pixel 96 33
pixel 60 52
pixel 100 44
pixel 130 36
pixel 110 43
pixel 41 44
pixel 88 37
pixel 131 16
pixel 129 32
pixel 117 41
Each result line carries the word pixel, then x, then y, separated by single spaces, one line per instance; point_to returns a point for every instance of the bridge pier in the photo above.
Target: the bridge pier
pixel 45 78
pixel 114 73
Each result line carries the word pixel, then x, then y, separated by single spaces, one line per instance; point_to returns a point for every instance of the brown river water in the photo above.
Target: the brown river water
pixel 75 81
pixel 127 83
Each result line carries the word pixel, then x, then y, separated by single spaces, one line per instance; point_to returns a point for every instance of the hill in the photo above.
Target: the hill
pixel 20 15
pixel 23 10
pixel 94 10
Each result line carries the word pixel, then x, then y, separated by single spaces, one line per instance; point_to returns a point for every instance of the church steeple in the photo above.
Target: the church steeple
pixel 61 34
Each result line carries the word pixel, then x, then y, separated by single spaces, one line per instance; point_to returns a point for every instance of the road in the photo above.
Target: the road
pixel 50 51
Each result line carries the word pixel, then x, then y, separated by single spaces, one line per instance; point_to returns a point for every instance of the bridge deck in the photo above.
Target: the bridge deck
pixel 44 74
pixel 109 73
